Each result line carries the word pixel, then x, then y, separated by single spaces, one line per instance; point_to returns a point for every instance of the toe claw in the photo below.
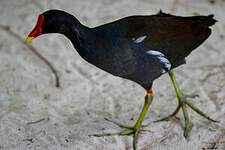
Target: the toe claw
pixel 187 130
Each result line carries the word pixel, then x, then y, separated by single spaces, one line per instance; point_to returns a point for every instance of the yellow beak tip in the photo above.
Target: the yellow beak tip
pixel 28 40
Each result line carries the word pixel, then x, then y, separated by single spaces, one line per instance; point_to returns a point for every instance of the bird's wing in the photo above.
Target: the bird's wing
pixel 173 36
pixel 142 68
pixel 132 61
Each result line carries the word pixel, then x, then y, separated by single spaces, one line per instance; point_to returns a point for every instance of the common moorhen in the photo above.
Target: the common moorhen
pixel 138 48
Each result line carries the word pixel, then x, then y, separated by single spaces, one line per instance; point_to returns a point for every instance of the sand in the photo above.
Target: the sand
pixel 35 114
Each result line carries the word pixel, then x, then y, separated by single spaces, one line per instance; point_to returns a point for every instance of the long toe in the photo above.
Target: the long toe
pixel 119 124
pixel 198 111
pixel 135 139
pixel 185 102
pixel 171 115
pixel 121 133
pixel 126 132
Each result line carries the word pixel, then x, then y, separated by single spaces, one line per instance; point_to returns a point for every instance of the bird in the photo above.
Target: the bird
pixel 139 48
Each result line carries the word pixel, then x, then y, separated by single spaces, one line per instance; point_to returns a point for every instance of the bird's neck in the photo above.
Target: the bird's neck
pixel 76 32
pixel 82 40
pixel 80 35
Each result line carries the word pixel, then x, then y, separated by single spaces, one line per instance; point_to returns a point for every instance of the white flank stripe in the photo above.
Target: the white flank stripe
pixel 140 39
pixel 152 52
pixel 165 62
pixel 161 57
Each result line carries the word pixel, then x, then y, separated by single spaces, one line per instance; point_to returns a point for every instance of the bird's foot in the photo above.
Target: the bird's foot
pixel 119 124
pixel 124 132
pixel 128 131
pixel 183 102
pixel 137 128
pixel 185 97
pixel 124 126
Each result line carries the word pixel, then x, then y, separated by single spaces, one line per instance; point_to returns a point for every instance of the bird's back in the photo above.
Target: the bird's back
pixel 176 37
pixel 142 48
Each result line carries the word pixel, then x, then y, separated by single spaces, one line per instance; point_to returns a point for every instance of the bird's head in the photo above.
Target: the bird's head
pixel 52 21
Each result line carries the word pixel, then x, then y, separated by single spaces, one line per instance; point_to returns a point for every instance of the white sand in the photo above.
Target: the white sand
pixel 67 115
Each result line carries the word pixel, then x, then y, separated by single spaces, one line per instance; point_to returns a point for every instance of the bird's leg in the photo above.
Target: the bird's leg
pixel 135 130
pixel 137 126
pixel 183 102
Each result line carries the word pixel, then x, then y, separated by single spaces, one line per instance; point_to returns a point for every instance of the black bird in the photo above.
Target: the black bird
pixel 137 48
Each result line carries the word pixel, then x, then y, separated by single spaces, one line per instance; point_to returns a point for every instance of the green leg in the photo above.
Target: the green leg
pixel 135 130
pixel 183 102
pixel 137 126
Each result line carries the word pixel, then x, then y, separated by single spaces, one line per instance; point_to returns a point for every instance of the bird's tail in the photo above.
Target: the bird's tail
pixel 205 20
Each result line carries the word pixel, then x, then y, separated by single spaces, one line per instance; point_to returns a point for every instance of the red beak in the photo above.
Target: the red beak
pixel 36 31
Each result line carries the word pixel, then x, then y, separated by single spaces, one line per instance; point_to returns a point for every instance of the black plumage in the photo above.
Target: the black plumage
pixel 112 46
pixel 137 48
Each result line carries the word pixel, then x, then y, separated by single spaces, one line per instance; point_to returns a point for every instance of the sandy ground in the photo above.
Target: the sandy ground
pixel 35 114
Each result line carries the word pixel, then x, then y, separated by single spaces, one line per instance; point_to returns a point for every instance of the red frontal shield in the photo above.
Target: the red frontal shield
pixel 36 31
pixel 38 28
